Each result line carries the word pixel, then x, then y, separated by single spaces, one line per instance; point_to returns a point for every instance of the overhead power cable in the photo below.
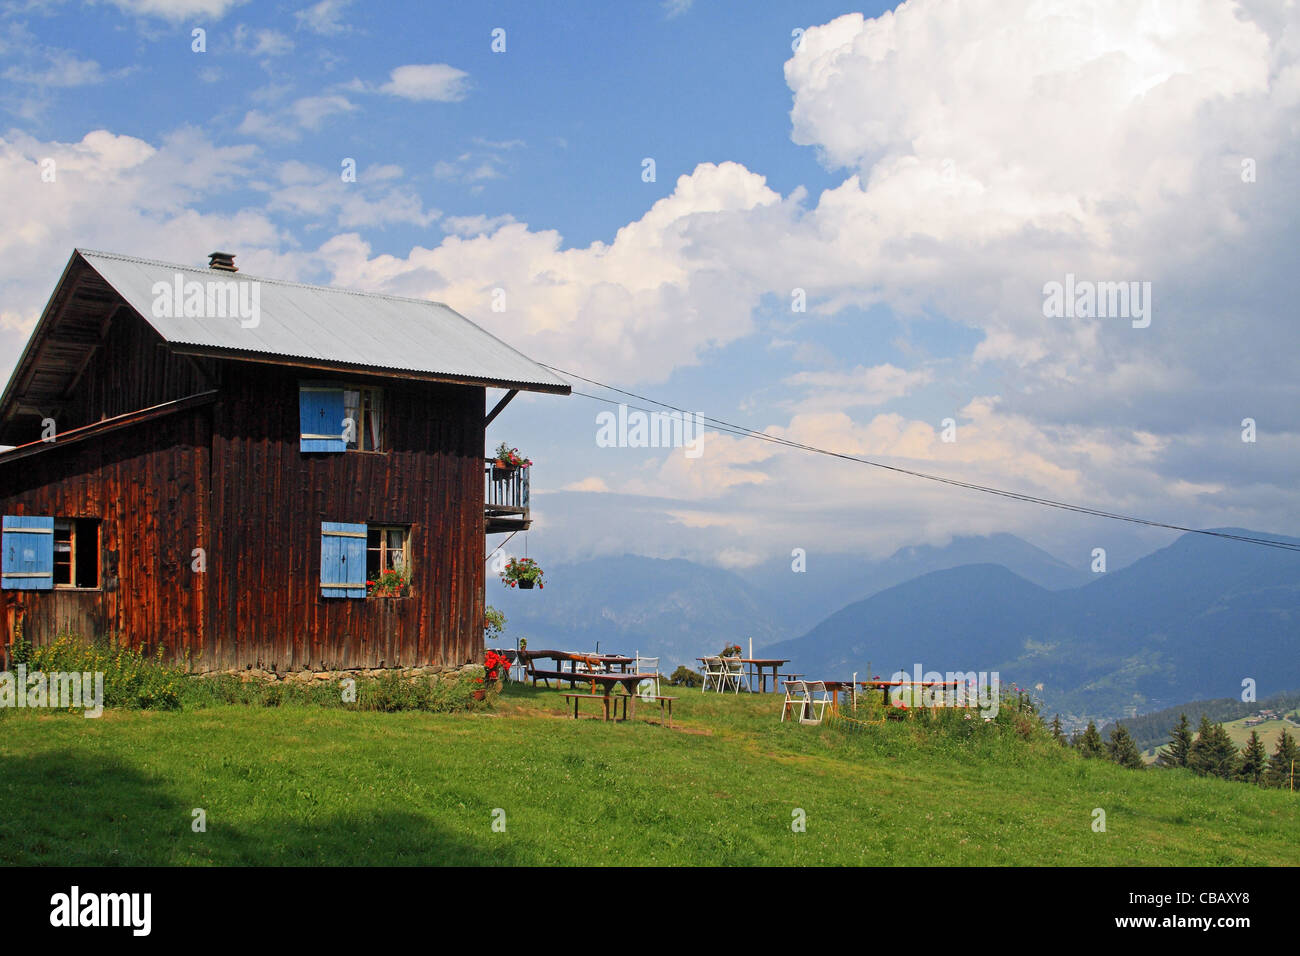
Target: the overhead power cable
pixel 746 432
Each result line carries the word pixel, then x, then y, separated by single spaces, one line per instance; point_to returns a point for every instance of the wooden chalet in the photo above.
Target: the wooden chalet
pixel 219 464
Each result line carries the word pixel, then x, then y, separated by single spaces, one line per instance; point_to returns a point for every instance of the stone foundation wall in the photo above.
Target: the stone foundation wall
pixel 307 676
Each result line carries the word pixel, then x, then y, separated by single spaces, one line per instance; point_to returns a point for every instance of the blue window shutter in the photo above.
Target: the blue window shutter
pixel 320 418
pixel 342 560
pixel 28 559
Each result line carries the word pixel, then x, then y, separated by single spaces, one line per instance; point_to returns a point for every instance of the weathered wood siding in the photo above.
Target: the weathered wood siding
pixel 116 361
pixel 131 369
pixel 268 502
pixel 229 477
pixel 145 484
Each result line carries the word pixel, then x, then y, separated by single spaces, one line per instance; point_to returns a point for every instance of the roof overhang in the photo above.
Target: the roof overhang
pixel 236 355
pixel 308 323
pixel 95 430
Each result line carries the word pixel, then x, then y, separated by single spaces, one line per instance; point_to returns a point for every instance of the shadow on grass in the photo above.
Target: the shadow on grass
pixel 67 809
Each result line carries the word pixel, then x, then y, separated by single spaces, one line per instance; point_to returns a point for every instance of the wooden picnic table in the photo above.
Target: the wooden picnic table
pixel 609 661
pixel 754 667
pixel 759 663
pixel 835 686
pixel 571 675
pixel 611 680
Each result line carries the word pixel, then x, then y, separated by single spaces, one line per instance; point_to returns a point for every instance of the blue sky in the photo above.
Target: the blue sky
pixel 919 173
pixel 582 94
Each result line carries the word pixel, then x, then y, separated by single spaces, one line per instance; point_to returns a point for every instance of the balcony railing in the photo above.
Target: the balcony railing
pixel 505 498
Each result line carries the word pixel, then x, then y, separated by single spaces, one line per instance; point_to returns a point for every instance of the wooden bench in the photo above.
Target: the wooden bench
pixel 605 698
pixel 662 701
pixel 572 677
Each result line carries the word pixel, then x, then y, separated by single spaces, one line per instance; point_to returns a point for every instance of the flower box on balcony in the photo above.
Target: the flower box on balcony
pixel 508 461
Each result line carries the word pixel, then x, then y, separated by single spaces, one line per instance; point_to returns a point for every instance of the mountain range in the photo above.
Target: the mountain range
pixel 1192 620
pixel 1189 621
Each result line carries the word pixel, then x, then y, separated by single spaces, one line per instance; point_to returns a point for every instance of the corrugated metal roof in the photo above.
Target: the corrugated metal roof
pixel 330 325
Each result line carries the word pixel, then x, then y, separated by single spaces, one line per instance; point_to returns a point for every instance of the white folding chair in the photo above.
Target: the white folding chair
pixel 714 673
pixel 734 674
pixel 815 702
pixel 796 697
pixel 647 665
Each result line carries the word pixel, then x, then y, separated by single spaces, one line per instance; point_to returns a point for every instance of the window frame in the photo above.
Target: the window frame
pixel 77 528
pixel 367 416
pixel 369 412
pixel 384 550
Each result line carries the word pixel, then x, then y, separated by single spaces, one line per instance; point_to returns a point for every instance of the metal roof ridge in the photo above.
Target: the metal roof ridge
pixel 229 276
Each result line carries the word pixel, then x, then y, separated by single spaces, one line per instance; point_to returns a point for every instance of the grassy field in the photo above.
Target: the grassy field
pixel 305 785
pixel 1269 731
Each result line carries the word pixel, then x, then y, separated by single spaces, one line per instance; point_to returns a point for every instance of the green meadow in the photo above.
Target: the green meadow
pixel 521 783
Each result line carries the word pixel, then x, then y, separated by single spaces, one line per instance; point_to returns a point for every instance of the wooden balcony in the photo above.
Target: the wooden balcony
pixel 505 499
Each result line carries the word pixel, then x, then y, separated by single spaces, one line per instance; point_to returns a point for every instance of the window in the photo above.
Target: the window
pixel 354 558
pixel 387 549
pixel 334 418
pixel 76 553
pixel 361 407
pixel 41 553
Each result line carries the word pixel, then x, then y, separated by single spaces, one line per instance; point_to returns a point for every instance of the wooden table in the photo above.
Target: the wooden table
pixel 609 681
pixel 754 668
pixel 758 663
pixel 835 686
pixel 606 661
pixel 572 675
pixel 528 657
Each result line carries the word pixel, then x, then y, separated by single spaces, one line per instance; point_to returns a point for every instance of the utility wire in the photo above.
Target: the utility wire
pixel 746 432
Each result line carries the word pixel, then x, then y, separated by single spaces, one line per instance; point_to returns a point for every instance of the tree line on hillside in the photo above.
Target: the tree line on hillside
pixel 1151 730
pixel 1209 752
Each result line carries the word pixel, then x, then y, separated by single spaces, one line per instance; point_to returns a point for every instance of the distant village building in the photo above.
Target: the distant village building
pixel 217 465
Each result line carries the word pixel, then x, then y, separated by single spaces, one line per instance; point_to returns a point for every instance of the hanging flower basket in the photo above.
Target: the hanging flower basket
pixel 522 573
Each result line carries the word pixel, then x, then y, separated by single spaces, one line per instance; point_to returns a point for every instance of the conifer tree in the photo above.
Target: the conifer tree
pixel 1284 765
pixel 1213 753
pixel 1122 750
pixel 1180 745
pixel 1090 744
pixel 1057 734
pixel 1254 759
pixel 1196 758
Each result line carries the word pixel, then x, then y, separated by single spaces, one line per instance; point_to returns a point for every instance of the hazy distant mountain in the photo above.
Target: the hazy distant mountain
pixel 673 609
pixel 678 609
pixel 831 580
pixel 1189 621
